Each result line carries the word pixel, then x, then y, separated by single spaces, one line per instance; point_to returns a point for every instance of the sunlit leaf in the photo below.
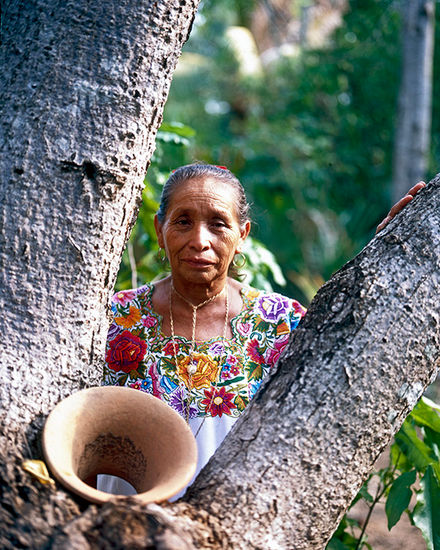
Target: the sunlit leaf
pixel 416 451
pixel 177 128
pixel 425 414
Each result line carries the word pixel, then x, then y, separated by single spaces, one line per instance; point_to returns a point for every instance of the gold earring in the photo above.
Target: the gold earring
pixel 242 263
pixel 162 255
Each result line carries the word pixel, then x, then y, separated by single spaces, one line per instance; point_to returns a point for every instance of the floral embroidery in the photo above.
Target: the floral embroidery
pixel 217 401
pixel 253 349
pixel 125 352
pixel 205 374
pixel 133 317
pixel 228 372
pixel 273 306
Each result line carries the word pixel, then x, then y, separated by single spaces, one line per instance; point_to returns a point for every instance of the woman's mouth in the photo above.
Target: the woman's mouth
pixel 198 262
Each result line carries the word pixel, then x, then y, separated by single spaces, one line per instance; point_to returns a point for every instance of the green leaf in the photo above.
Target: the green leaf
pixel 417 452
pixel 427 511
pixel 336 544
pixel 399 497
pixel 399 460
pixel 424 414
pixel 432 439
pixel 177 128
pixel 255 371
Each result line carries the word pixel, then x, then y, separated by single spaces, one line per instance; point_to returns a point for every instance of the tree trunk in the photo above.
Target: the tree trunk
pixel 411 143
pixel 83 92
pixel 83 87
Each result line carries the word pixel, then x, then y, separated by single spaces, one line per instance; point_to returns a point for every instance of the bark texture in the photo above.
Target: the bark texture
pixel 412 139
pixel 82 93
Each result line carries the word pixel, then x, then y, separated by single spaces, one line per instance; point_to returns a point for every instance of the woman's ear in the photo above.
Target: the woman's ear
pixel 244 232
pixel 159 233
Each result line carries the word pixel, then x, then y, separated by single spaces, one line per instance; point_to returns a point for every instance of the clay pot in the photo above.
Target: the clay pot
pixel 121 432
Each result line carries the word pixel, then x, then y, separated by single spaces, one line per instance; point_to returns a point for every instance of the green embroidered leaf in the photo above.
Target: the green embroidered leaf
pixel 141 370
pixel 123 311
pixel 399 497
pixel 230 382
pixel 168 364
pixel 122 379
pixel 262 325
pixel 240 402
pixel 255 371
pixel 425 514
pixel 417 452
pixel 133 374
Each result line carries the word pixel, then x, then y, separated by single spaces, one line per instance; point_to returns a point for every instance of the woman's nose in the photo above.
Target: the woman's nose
pixel 200 237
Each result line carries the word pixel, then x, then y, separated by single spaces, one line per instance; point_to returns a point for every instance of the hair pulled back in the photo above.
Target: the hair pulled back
pixel 198 171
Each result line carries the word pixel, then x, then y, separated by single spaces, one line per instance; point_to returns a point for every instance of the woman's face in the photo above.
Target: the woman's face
pixel 201 232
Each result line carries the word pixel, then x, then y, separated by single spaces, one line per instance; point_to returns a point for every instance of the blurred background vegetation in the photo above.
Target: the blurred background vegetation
pixel 299 100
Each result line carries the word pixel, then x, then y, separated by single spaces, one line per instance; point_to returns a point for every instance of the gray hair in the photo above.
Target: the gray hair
pixel 198 171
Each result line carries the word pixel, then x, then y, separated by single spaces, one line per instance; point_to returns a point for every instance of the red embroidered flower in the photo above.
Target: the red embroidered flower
pixel 126 352
pixel 218 401
pixel 171 348
pixel 253 350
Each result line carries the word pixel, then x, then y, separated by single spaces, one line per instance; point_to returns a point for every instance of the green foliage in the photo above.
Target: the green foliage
pixel 310 136
pixel 414 469
pixel 426 512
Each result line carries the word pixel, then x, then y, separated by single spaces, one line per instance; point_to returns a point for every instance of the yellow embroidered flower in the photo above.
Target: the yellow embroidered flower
pixel 205 375
pixel 133 317
pixel 252 293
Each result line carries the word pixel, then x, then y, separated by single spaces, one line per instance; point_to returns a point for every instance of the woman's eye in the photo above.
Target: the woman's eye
pixel 182 222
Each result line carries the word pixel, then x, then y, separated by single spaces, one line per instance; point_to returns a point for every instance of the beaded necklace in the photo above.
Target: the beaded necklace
pixel 192 366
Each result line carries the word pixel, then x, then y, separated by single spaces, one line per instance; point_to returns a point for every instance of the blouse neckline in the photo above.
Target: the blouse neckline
pixel 246 307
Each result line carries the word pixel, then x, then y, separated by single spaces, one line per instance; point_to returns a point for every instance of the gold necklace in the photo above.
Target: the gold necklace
pixel 192 368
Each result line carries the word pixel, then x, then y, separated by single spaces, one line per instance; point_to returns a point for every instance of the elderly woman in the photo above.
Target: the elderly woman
pixel 199 340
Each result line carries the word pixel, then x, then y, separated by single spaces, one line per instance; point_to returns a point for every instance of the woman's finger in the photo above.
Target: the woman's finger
pixel 399 205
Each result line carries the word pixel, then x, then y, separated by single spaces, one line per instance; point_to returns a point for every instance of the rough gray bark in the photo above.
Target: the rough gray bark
pixel 412 139
pixel 77 129
pixel 82 92
pixel 355 367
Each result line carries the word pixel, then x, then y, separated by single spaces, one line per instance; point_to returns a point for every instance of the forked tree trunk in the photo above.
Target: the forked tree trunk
pixel 83 92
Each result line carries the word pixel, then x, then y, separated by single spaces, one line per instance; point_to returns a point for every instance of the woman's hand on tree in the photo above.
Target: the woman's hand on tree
pixel 400 205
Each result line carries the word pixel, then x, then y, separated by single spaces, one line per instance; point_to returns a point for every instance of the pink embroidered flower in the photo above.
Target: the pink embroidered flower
pixel 273 354
pixel 244 328
pixel 230 371
pixel 149 321
pixel 136 385
pixel 253 349
pixel 156 389
pixel 124 296
pixel 298 308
